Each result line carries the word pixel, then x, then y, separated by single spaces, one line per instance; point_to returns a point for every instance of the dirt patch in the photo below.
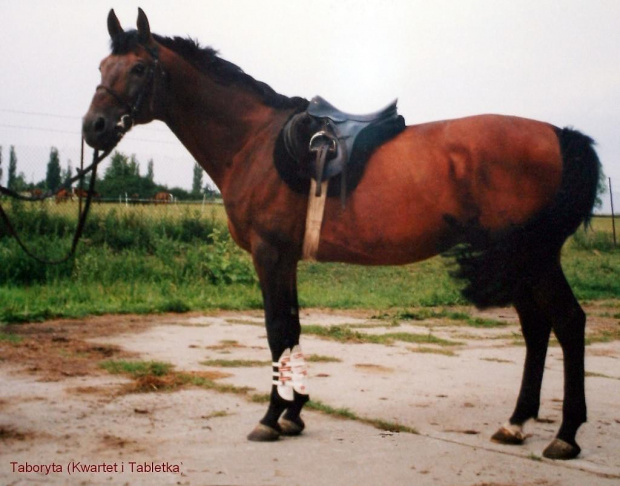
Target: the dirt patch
pixel 58 404
pixel 8 434
pixel 58 349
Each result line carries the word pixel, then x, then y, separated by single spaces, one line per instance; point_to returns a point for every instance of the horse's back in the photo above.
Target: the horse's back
pixel 490 170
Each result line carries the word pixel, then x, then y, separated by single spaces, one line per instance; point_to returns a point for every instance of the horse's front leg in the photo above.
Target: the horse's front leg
pixel 277 272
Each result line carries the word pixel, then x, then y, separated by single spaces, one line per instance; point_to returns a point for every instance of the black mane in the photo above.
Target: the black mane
pixel 206 60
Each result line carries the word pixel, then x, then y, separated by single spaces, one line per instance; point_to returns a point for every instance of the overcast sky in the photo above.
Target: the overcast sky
pixel 553 60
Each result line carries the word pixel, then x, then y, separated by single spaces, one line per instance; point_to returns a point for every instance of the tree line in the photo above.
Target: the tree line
pixel 122 178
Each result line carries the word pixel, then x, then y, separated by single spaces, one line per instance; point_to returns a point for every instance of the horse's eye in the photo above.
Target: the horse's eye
pixel 138 69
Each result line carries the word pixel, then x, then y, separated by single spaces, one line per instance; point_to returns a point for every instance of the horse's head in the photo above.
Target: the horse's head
pixel 127 94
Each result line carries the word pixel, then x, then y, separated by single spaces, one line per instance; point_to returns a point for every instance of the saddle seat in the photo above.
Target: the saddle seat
pixel 327 142
pixel 321 108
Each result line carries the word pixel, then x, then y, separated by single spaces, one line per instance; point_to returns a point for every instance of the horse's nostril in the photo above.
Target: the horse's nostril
pixel 99 125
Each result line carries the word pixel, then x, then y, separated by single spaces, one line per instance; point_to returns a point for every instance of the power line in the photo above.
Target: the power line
pixel 34 113
pixel 75 132
pixel 65 117
pixel 41 129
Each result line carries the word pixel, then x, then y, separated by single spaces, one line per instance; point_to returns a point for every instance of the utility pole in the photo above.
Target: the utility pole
pixel 613 217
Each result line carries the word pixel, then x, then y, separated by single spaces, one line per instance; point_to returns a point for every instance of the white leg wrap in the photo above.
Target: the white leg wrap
pixel 300 371
pixel 282 376
pixel 290 374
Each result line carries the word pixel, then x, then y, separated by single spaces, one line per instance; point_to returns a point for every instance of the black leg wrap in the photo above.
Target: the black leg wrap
pixel 277 405
pixel 291 423
pixel 294 409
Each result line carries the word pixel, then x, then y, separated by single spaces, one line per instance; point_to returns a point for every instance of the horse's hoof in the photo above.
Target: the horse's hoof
pixel 290 427
pixel 264 433
pixel 559 449
pixel 509 434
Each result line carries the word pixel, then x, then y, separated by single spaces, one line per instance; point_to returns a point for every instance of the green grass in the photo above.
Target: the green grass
pixel 10 338
pixel 344 286
pixel 153 376
pixel 209 384
pixel 345 334
pixel 216 414
pixel 443 314
pixel 483 323
pixel 317 358
pixel 345 413
pixel 133 260
pixel 234 363
pixel 136 369
pixel 41 302
pixel 603 335
pixel 427 350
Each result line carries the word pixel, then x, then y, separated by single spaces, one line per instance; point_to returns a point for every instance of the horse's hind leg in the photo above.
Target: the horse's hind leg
pixel 536 329
pixel 568 320
pixel 278 278
pixel 551 303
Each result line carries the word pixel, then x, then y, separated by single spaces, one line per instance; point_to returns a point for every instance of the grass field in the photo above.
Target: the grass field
pixel 179 258
pixel 150 210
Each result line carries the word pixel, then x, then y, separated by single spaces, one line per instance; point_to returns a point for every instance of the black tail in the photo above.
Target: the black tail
pixel 494 268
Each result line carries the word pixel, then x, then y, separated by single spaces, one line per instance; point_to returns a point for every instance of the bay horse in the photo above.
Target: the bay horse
pixel 64 195
pixel 163 198
pixel 506 192
pixel 83 194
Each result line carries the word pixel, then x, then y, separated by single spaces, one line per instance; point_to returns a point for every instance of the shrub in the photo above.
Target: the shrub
pixel 140 244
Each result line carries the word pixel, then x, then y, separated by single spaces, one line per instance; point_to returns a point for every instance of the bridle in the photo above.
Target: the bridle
pixel 127 121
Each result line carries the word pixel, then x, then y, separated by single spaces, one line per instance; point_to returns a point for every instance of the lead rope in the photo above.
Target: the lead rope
pixel 82 216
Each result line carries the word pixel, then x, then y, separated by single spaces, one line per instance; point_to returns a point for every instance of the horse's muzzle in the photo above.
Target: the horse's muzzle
pixel 104 133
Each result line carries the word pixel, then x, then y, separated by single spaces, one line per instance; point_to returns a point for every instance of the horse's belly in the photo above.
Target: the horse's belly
pixel 400 224
pixel 379 248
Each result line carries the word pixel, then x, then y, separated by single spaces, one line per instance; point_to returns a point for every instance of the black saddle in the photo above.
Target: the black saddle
pixel 321 108
pixel 327 142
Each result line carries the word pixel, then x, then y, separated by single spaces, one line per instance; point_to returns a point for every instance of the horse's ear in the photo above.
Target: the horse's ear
pixel 114 26
pixel 144 29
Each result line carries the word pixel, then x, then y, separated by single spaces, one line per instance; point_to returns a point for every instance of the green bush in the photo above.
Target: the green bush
pixel 123 245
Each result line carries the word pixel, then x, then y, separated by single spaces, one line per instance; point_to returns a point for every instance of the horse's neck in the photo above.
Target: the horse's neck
pixel 214 122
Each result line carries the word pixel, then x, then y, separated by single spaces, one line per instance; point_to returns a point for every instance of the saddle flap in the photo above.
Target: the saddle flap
pixel 326 142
